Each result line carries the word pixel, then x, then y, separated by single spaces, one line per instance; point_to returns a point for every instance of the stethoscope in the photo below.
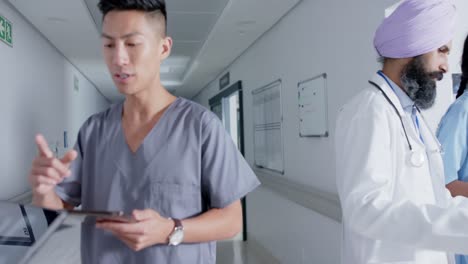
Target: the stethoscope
pixel 416 157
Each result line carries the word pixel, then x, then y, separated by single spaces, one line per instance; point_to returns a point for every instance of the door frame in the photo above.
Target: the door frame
pixel 217 99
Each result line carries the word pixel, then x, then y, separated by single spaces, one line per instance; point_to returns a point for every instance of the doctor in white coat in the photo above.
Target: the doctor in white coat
pixel 390 175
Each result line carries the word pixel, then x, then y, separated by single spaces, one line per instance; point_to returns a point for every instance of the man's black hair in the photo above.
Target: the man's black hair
pixel 464 66
pixel 152 7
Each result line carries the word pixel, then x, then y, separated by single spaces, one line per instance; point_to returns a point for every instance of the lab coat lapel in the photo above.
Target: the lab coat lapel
pixel 436 164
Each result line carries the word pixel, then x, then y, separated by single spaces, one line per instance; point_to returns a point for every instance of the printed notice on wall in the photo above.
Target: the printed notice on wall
pixel 313 119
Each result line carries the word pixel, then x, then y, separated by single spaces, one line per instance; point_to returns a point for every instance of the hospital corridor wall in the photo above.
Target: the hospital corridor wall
pixel 42 92
pixel 296 216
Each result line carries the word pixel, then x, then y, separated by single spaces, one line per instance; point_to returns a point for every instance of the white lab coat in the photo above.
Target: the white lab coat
pixel 393 212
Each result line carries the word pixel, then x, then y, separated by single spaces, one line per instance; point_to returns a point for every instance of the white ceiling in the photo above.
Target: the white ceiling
pixel 208 35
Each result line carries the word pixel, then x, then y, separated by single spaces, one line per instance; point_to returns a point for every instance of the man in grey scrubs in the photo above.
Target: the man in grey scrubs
pixel 166 160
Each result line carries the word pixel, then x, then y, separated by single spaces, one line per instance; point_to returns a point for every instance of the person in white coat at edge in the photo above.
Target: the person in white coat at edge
pixel 390 174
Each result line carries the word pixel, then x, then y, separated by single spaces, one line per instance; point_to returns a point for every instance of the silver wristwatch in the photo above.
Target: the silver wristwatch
pixel 177 235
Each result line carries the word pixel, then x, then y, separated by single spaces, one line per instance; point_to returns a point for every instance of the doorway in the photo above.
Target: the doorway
pixel 228 106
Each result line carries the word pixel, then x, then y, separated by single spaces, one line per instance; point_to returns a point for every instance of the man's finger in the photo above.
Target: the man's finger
pixel 43 180
pixel 47 172
pixel 43 147
pixel 142 215
pixel 69 157
pixel 43 188
pixel 52 163
pixel 133 238
pixel 131 244
pixel 122 228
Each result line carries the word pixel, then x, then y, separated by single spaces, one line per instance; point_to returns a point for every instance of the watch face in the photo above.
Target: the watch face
pixel 177 237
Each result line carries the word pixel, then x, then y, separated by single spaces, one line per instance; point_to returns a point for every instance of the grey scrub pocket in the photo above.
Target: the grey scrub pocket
pixel 176 200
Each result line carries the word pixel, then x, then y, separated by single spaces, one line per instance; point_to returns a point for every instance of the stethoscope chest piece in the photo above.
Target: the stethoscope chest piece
pixel 416 158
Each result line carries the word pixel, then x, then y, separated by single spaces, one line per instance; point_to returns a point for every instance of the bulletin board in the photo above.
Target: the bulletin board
pixel 268 127
pixel 313 105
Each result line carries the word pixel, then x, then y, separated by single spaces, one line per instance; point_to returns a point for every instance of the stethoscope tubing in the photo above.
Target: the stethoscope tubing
pixel 415 159
pixel 396 111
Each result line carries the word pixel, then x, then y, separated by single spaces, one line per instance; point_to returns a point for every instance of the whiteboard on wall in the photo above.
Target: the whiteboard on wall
pixel 268 127
pixel 313 116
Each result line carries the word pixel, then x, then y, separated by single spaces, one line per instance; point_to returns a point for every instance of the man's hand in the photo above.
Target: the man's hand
pixel 150 229
pixel 47 171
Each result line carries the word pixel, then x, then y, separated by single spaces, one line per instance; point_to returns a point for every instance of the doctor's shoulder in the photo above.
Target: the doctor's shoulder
pixel 459 107
pixel 366 102
pixel 197 115
pixel 100 123
pixel 456 113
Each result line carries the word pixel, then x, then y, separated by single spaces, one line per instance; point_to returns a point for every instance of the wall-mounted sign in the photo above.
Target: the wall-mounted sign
pixel 224 81
pixel 6 31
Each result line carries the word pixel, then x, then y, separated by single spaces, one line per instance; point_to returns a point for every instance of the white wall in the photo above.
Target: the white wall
pixel 332 36
pixel 37 92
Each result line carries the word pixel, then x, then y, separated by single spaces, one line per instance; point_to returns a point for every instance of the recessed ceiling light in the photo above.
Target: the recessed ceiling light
pixel 57 19
pixel 246 23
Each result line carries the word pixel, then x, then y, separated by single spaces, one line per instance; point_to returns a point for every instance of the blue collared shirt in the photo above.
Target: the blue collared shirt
pixel 405 100
pixel 453 135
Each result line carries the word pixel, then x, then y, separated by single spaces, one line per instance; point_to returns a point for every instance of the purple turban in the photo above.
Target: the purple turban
pixel 415 28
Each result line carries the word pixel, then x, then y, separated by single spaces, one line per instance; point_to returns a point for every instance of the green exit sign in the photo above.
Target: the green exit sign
pixel 6 31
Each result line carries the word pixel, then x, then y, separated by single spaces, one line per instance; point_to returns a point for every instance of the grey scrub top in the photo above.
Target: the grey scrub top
pixel 186 165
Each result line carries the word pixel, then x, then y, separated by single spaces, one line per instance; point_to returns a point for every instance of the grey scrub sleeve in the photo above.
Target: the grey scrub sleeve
pixel 226 176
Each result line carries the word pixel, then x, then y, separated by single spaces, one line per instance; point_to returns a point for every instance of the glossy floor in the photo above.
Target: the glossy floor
pixel 63 247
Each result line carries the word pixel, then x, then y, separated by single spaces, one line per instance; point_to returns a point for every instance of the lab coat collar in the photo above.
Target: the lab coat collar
pixel 377 79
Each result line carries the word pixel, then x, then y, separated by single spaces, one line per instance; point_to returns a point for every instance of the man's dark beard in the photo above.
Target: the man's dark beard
pixel 419 84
